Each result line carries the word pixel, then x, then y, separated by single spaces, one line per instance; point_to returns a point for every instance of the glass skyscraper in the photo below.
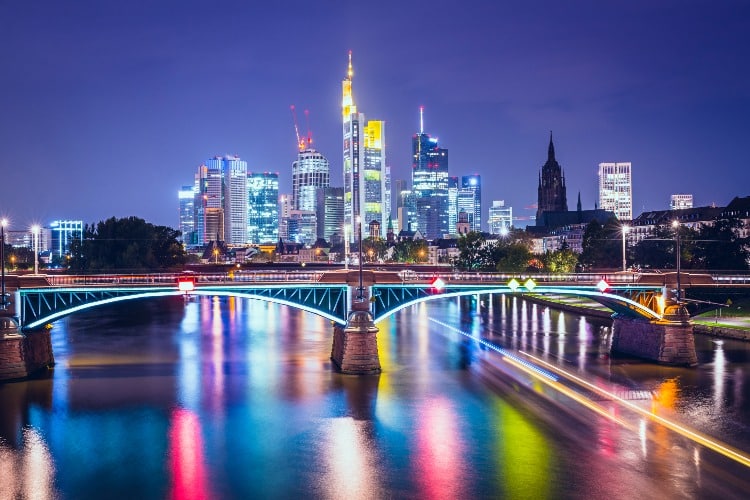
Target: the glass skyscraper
pixel 430 184
pixel 310 172
pixel 186 197
pixel 472 186
pixel 263 207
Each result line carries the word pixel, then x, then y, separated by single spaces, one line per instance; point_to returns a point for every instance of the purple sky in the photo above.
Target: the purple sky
pixel 107 108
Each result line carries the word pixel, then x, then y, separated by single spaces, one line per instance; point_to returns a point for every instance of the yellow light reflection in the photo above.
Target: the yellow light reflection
pixel 351 471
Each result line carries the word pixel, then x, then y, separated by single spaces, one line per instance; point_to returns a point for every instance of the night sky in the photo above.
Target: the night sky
pixel 107 108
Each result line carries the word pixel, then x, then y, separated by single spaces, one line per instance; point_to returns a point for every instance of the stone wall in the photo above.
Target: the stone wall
pixel 670 343
pixel 25 355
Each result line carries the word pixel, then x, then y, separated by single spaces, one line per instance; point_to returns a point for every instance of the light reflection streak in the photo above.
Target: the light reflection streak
pixel 187 462
pixel 439 450
pixel 28 472
pixel 720 366
pixel 351 472
pixel 691 434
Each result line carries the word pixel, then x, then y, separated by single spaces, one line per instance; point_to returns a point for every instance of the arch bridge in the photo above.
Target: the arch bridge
pixel 330 295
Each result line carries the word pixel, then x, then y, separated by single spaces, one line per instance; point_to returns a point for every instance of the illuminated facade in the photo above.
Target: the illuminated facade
pixel 209 199
pixel 615 189
pixel 263 207
pixel 500 217
pixel 430 184
pixel 471 186
pixel 366 183
pixel 186 198
pixel 63 233
pixel 234 171
pixel 310 172
pixel 680 201
pixel 330 214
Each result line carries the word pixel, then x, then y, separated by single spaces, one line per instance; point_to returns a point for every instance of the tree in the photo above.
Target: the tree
pixel 719 246
pixel 601 245
pixel 129 243
pixel 658 251
pixel 471 252
pixel 410 251
pixel 563 260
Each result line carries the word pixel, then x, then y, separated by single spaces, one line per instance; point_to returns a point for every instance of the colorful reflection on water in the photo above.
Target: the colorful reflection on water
pixel 231 398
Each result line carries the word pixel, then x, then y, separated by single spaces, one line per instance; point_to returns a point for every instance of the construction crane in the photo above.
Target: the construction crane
pixel 300 142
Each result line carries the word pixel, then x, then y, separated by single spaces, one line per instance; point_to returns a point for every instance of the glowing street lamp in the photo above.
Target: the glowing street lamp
pixel 625 228
pixel 3 301
pixel 216 255
pixel 676 226
pixel 35 231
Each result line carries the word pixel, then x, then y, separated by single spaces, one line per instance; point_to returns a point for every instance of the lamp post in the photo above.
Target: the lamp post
pixel 35 232
pixel 676 226
pixel 625 228
pixel 3 223
pixel 360 290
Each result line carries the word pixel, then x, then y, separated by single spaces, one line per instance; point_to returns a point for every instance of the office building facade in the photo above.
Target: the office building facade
pixel 615 189
pixel 430 184
pixel 263 207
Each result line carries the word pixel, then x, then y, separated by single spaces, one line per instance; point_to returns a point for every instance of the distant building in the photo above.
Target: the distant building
pixel 644 226
pixel 233 172
pixel 430 184
pixel 473 184
pixel 63 234
pixel 616 189
pixel 302 227
pixel 310 172
pixel 208 203
pixel 500 217
pixel 680 201
pixel 263 207
pixel 739 208
pixel 186 198
pixel 453 188
pixel 552 194
pixel 330 214
pixel 285 209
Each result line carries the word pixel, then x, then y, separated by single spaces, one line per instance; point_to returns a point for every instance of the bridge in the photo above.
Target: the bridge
pixel 647 321
pixel 330 295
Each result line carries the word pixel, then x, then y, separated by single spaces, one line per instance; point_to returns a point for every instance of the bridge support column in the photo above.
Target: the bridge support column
pixel 355 346
pixel 669 341
pixel 23 355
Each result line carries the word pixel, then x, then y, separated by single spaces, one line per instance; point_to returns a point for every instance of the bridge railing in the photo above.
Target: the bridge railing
pixel 503 278
pixel 162 279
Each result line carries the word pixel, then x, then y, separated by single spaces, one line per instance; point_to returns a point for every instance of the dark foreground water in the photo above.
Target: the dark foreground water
pixel 225 398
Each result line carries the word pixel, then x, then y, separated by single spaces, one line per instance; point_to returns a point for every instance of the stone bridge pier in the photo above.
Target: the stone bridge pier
pixel 668 341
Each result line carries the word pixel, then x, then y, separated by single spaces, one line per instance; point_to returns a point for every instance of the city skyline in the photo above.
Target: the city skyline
pixel 106 107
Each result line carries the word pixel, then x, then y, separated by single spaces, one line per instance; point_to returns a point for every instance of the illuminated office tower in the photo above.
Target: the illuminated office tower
pixel 330 214
pixel 452 204
pixel 234 175
pixel 615 189
pixel 186 197
pixel 680 201
pixel 430 183
pixel 366 183
pixel 471 185
pixel 375 184
pixel 310 172
pixel 500 217
pixel 262 207
pixel 63 234
pixel 209 203
pixel 352 121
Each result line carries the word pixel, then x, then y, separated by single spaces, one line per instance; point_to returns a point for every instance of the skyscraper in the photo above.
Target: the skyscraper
pixel 452 204
pixel 310 172
pixel 263 207
pixel 186 197
pixel 330 214
pixel 430 183
pixel 552 194
pixel 473 184
pixel 209 203
pixel 615 189
pixel 366 183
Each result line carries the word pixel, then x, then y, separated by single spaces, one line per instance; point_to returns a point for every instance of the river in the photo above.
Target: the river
pixel 236 398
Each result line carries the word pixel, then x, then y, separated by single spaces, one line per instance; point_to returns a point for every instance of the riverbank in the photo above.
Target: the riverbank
pixel 732 327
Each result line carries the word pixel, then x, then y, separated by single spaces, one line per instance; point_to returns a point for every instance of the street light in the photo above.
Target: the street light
pixel 361 291
pixel 625 229
pixel 3 223
pixel 35 232
pixel 216 255
pixel 676 226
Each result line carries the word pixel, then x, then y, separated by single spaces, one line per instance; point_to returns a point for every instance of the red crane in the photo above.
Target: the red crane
pixel 300 142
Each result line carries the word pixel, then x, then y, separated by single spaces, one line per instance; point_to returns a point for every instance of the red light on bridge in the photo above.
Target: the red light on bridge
pixel 602 286
pixel 438 284
pixel 186 284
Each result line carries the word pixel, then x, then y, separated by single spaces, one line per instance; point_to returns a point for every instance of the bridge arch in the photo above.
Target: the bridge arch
pixel 391 299
pixel 39 307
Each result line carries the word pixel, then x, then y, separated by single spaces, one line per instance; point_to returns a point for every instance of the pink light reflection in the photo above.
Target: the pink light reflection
pixel 440 466
pixel 187 463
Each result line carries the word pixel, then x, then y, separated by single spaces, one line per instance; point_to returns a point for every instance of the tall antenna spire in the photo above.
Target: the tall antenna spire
pixel 350 72
pixel 421 119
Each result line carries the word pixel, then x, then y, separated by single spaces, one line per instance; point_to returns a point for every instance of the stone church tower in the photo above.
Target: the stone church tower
pixel 552 192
